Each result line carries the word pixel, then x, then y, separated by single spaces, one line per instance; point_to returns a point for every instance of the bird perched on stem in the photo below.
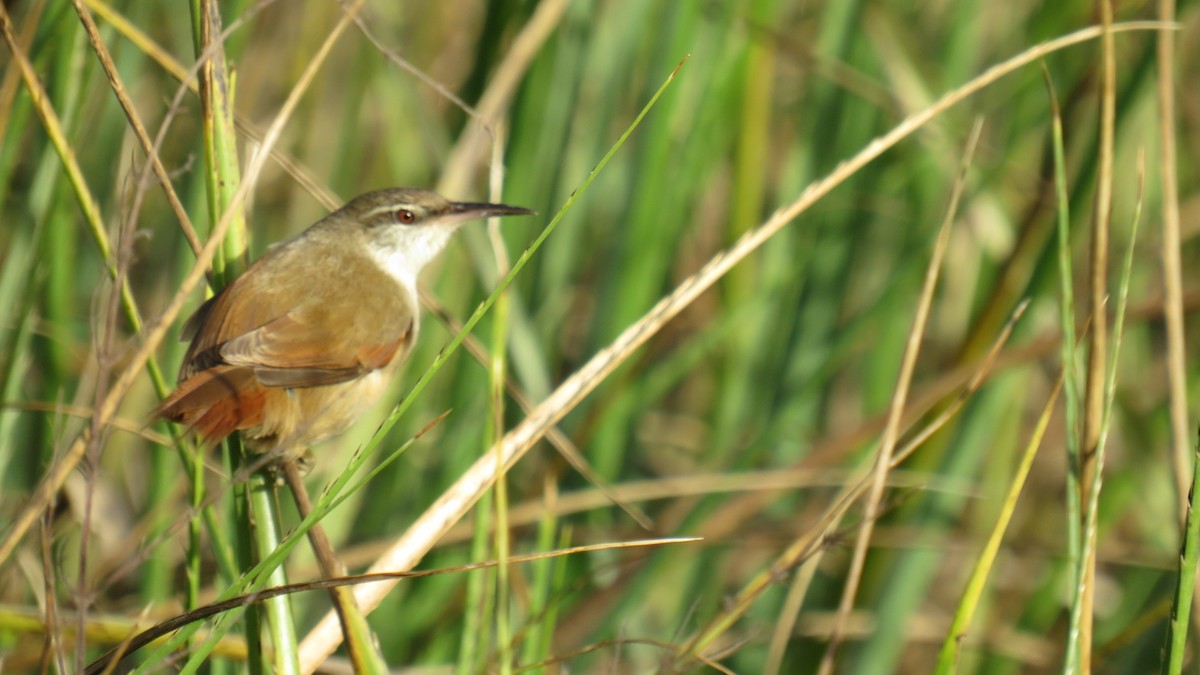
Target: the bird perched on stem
pixel 300 345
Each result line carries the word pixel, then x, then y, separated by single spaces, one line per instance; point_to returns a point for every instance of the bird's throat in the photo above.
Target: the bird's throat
pixel 402 254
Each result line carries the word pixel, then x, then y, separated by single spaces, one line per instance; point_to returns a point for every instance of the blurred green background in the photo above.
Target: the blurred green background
pixel 739 421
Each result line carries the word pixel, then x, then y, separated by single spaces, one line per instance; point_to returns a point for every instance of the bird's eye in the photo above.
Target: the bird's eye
pixel 404 216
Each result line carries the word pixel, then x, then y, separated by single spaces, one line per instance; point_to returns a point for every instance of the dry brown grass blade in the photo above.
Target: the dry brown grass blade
pixel 1093 406
pixel 135 121
pixel 1172 263
pixel 12 76
pixel 460 497
pixel 891 432
pixel 1173 300
pixel 168 63
pixel 469 148
pixel 52 642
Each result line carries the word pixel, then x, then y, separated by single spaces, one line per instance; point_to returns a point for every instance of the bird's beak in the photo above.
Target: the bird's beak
pixel 463 211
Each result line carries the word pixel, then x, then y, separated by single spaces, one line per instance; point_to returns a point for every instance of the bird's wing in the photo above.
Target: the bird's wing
pixel 305 348
pixel 326 327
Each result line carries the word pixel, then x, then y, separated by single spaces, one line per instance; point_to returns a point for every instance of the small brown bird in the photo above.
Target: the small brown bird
pixel 300 345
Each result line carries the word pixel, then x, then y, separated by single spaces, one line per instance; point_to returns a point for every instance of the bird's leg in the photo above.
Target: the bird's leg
pixel 276 467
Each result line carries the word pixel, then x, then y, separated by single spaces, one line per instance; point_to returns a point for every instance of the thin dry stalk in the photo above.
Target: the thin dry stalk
pixel 51 640
pixel 1093 407
pixel 460 497
pixel 500 90
pixel 168 63
pixel 891 432
pixel 135 121
pixel 331 568
pixel 105 351
pixel 1173 304
pixel 12 76
pixel 1172 265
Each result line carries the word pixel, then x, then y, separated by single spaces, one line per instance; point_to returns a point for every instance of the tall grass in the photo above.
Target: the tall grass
pixel 751 419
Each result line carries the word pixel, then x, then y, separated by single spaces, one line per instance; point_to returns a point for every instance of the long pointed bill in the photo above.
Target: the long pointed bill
pixel 462 211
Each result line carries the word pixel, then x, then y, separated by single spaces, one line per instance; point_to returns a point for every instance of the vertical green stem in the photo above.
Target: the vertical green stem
pixel 1185 582
pixel 267 536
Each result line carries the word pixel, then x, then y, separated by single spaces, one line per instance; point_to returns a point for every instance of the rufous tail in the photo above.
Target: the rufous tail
pixel 217 402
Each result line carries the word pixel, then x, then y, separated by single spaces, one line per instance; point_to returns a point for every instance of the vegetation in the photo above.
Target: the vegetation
pixel 782 369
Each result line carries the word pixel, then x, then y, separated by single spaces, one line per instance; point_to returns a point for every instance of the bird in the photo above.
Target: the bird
pixel 298 347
